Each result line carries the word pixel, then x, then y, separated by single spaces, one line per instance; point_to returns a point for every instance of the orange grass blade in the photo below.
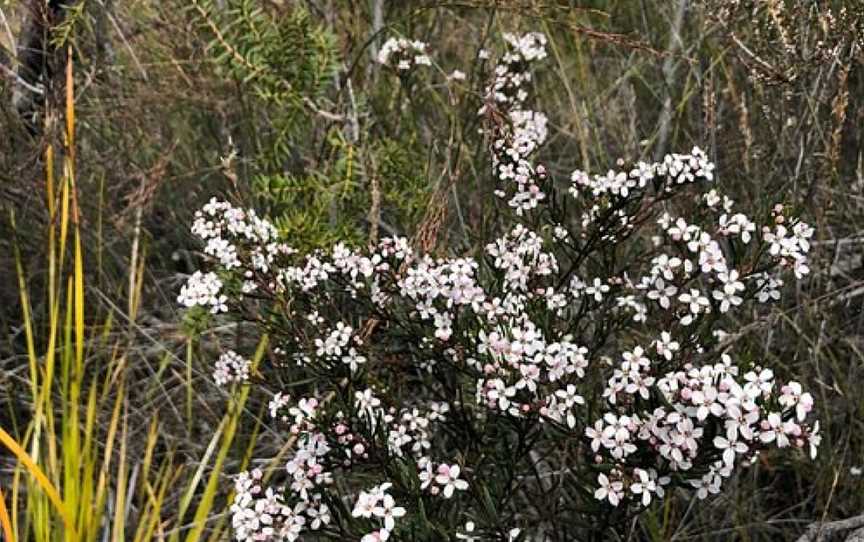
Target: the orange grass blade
pixel 5 522
pixel 36 472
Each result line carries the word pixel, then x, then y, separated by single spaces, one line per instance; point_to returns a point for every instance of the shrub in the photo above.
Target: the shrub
pixel 552 385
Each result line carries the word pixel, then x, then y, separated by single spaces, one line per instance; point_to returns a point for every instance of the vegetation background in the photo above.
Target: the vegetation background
pixel 119 119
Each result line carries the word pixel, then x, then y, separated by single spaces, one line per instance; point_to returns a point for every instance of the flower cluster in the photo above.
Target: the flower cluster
pixel 790 247
pixel 379 504
pixel 516 132
pixel 585 338
pixel 403 54
pixel 204 290
pixel 226 231
pixel 444 478
pixel 231 367
pixel 744 413
pixel 340 346
pixel 286 513
pixel 412 429
pixel 262 515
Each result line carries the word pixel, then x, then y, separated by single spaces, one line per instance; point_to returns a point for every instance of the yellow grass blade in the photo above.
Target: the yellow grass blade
pixel 79 301
pixel 4 520
pixel 118 530
pixel 64 219
pixel 25 309
pixel 52 224
pixel 16 486
pixel 70 101
pixel 102 484
pixel 189 384
pixel 88 518
pixel 147 527
pixel 70 429
pixel 34 470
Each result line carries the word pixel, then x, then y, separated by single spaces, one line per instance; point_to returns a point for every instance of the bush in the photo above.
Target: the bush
pixel 556 382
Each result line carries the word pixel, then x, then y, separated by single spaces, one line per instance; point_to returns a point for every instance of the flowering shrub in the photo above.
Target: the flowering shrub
pixel 572 371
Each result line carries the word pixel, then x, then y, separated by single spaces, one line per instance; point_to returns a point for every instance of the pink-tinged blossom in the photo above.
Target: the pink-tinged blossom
pixel 448 477
pixel 609 490
pixel 231 367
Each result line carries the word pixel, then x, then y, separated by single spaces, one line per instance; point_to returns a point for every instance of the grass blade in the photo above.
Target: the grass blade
pixel 34 470
pixel 5 522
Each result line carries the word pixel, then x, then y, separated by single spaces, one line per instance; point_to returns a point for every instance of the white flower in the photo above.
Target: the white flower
pixel 662 293
pixel 708 484
pixel 319 515
pixel 570 398
pixel 815 439
pixel 666 346
pixel 335 341
pixel 448 476
pixel 387 510
pixel 425 472
pixel 612 491
pixel 728 295
pixel 596 435
pixel 696 304
pixel 645 484
pixel 636 358
pixel 366 404
pixel 769 289
pixel 597 289
pixel 759 384
pixel 730 448
pixel 353 360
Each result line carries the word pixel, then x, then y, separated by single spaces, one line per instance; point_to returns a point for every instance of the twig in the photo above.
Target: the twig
pixel 375 209
pixel 129 47
pixel 762 63
pixel 19 80
pixel 822 531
